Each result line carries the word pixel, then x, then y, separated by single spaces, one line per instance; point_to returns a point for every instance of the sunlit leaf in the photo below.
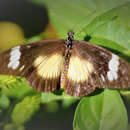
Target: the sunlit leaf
pixel 15 87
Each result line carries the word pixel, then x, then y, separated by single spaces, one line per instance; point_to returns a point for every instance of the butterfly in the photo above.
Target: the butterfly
pixel 78 67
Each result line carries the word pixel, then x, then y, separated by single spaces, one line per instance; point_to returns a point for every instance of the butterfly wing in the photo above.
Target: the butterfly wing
pixel 39 62
pixel 91 66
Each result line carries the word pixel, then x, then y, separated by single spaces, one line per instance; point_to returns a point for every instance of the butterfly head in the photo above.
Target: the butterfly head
pixel 71 35
pixel 69 40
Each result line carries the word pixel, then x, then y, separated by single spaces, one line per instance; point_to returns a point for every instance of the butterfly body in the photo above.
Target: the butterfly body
pixel 76 66
pixel 66 59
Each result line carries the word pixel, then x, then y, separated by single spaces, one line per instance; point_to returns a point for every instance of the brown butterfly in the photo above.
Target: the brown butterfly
pixel 78 67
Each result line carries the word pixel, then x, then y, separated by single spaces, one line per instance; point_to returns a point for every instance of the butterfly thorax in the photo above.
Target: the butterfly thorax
pixel 69 47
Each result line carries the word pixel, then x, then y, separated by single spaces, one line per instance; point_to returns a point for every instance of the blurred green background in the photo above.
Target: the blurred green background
pixel 102 22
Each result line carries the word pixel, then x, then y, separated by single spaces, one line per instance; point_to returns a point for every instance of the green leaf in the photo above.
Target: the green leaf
pixel 66 103
pixel 14 87
pixel 128 127
pixel 112 28
pixel 24 110
pixel 104 111
pixel 4 101
pixel 125 93
pixel 67 100
pixel 1 113
pixel 68 14
pixel 48 97
pixel 34 39
pixel 52 106
pixel 13 127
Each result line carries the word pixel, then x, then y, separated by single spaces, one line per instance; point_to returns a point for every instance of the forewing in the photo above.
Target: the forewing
pixel 39 62
pixel 92 66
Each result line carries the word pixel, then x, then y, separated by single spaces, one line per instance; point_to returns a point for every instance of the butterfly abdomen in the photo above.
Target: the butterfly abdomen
pixel 65 69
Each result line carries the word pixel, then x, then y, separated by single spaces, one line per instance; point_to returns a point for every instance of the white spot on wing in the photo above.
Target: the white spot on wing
pixel 14 58
pixel 113 65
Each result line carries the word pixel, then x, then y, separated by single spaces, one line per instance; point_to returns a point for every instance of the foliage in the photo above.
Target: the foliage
pixel 103 22
pixel 101 112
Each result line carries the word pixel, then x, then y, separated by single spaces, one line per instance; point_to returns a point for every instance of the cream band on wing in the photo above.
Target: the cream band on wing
pixel 49 66
pixel 79 69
